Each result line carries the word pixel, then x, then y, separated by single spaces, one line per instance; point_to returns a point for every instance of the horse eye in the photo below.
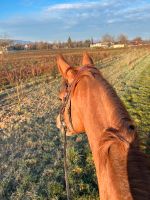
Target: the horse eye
pixel 131 127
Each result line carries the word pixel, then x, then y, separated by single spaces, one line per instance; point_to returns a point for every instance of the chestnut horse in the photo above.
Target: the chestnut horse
pixel 123 171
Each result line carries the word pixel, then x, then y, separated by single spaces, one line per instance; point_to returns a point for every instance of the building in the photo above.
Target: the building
pixel 118 46
pixel 99 45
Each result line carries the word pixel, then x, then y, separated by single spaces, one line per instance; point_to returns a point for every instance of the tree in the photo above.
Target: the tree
pixel 107 38
pixel 138 40
pixel 123 39
pixel 92 41
pixel 69 42
pixel 5 41
pixel 87 43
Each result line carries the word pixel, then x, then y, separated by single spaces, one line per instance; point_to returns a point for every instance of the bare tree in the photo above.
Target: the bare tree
pixel 107 38
pixel 122 38
pixel 5 42
pixel 138 40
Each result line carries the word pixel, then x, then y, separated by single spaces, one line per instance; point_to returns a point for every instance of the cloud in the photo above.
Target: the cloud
pixel 79 18
pixel 132 13
pixel 77 6
pixel 112 11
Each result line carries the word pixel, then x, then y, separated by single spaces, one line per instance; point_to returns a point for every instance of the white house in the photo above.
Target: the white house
pixel 99 44
pixel 118 45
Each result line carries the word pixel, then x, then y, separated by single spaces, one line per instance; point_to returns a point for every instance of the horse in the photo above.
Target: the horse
pixel 91 105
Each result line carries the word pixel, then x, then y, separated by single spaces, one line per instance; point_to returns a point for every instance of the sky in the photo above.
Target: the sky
pixel 56 20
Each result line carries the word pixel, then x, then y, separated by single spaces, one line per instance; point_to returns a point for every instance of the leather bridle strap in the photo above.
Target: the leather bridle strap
pixel 67 99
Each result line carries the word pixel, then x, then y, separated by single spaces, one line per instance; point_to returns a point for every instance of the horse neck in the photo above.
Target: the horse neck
pixel 101 108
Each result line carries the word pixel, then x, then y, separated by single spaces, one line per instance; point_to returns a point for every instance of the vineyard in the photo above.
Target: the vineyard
pixel 18 67
pixel 31 151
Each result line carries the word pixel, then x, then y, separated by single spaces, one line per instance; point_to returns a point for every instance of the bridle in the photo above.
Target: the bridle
pixel 66 106
pixel 66 102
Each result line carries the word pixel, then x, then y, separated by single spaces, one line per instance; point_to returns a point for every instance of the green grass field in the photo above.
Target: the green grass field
pixel 31 150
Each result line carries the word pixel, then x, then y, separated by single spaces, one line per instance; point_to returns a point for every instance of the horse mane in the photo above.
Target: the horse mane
pixel 139 173
pixel 119 118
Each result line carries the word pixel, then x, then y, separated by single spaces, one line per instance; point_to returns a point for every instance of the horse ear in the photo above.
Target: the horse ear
pixel 64 68
pixel 87 60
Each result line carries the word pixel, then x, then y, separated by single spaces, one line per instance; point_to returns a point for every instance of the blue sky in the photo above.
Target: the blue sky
pixel 56 20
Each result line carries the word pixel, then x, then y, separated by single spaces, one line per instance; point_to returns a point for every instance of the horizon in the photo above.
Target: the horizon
pixel 33 20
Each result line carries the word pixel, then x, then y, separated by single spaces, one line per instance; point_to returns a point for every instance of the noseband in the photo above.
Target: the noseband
pixel 66 106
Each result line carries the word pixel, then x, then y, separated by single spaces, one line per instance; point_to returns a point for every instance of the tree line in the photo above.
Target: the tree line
pixel 107 38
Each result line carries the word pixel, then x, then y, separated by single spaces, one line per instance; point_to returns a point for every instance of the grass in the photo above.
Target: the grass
pixel 132 83
pixel 31 145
